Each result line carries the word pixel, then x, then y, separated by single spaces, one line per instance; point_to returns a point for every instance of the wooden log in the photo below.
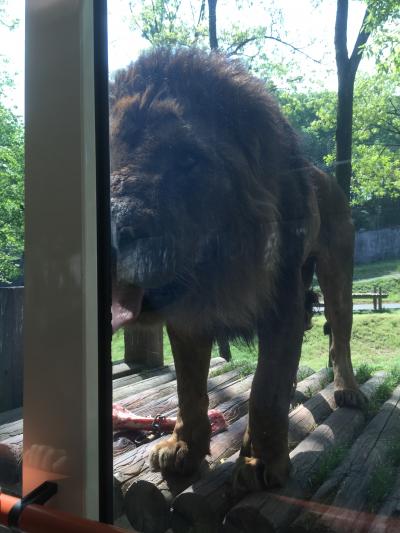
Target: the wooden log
pixel 309 386
pixel 164 405
pixel 274 511
pixel 152 512
pixel 305 418
pixel 387 519
pixel 350 486
pixel 11 429
pixel 11 450
pixel 146 509
pixel 144 346
pixel 130 396
pixel 11 325
pixel 150 379
pixel 162 395
pixel 230 395
pixel 204 504
pixel 131 463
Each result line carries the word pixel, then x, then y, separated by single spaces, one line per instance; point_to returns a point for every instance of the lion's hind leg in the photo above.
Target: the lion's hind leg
pixel 335 272
pixel 183 452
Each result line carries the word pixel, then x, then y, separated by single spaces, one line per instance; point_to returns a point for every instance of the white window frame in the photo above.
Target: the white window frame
pixel 63 361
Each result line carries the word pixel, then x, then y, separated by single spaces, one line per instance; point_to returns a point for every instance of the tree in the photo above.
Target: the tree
pixel 166 22
pixel 11 194
pixel 11 177
pixel 375 16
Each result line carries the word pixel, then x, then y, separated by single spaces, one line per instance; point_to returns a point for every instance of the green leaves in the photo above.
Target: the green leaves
pixel 11 195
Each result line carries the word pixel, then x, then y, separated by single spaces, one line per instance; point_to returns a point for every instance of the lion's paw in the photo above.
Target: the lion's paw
pixel 174 457
pixel 252 475
pixel 350 398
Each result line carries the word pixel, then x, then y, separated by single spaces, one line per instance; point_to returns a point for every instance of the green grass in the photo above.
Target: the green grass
pixel 383 479
pixel 375 341
pixel 384 391
pixel 331 459
pixel 363 373
pixel 382 274
pixel 376 270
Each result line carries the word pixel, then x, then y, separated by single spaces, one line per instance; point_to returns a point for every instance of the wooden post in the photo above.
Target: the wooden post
pixel 144 346
pixel 375 298
pixel 380 299
pixel 11 321
pixel 224 349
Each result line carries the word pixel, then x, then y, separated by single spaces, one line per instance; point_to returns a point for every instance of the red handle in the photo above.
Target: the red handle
pixel 39 519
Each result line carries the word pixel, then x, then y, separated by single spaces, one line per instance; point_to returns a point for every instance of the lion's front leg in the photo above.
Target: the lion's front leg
pixel 190 442
pixel 264 460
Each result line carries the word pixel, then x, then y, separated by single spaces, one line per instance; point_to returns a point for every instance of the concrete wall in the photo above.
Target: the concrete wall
pixel 377 245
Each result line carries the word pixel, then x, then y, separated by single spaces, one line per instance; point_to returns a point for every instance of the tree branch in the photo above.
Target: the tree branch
pixel 362 38
pixel 243 43
pixel 201 13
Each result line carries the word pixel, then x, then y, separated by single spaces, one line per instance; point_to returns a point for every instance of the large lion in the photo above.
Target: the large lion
pixel 219 223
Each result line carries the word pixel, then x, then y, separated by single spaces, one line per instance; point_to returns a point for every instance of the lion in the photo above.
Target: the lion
pixel 218 225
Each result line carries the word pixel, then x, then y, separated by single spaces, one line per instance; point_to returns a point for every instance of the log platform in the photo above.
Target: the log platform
pixel 345 463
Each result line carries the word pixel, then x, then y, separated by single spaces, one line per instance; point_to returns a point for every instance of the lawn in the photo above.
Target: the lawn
pixel 383 274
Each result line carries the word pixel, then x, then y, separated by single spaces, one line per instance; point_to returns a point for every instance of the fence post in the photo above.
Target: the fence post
pixel 375 298
pixel 11 327
pixel 380 299
pixel 144 346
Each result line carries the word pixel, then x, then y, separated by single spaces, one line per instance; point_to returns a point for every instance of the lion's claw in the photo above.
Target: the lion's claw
pixel 174 457
pixel 252 475
pixel 350 398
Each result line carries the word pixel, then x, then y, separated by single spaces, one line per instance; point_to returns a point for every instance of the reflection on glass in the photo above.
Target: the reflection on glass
pixel 227 226
pixel 11 241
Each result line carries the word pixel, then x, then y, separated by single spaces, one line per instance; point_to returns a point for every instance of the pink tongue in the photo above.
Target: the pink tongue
pixel 126 306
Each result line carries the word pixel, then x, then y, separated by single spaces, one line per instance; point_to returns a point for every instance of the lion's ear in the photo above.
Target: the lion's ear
pixel 125 120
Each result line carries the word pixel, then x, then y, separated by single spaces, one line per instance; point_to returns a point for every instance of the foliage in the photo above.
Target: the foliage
pixel 167 22
pixel 363 373
pixel 384 390
pixel 11 194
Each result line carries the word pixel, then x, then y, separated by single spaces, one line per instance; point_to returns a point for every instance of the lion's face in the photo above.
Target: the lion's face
pixel 172 198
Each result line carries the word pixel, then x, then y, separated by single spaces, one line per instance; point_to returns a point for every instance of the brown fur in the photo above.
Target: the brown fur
pixel 219 223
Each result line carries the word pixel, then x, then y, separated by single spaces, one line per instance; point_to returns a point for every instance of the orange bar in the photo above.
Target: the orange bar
pixel 6 504
pixel 40 519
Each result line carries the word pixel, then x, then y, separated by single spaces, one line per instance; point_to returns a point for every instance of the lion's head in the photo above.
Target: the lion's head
pixel 194 163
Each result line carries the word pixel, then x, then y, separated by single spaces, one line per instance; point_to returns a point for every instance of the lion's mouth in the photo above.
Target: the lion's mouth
pixel 126 306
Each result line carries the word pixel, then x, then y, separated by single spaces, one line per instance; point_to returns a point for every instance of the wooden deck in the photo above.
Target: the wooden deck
pixel 345 463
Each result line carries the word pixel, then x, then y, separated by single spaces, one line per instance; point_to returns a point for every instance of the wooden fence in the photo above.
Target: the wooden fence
pixel 11 325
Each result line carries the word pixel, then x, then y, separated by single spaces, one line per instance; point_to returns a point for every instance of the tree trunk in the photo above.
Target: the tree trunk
pixel 346 71
pixel 212 24
pixel 144 346
pixel 344 130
